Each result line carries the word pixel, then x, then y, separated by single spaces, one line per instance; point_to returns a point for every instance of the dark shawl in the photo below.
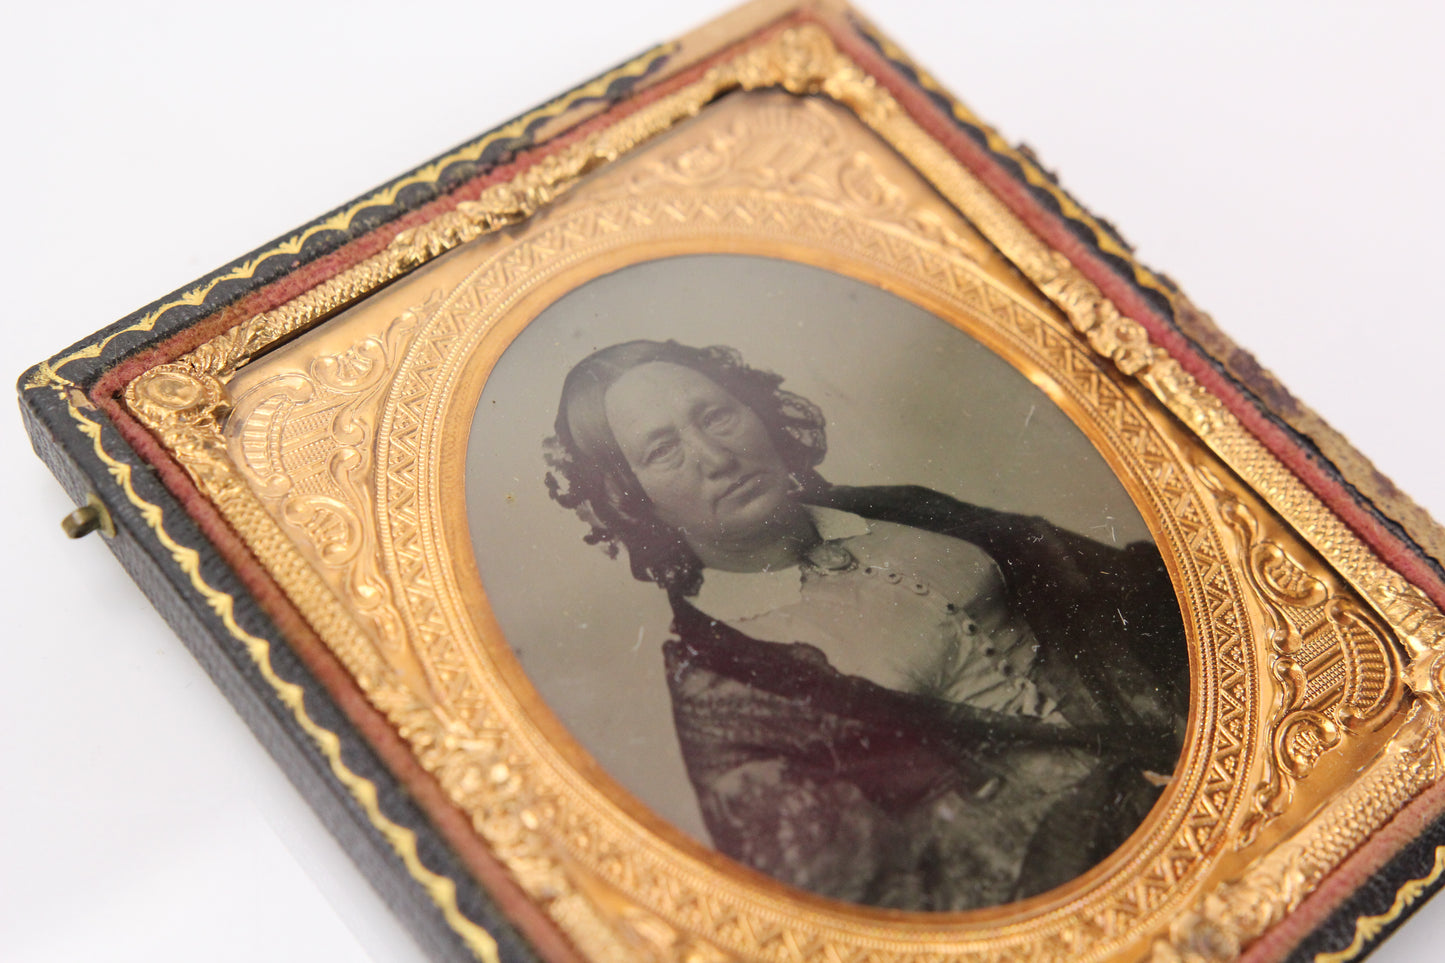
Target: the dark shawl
pixel 849 789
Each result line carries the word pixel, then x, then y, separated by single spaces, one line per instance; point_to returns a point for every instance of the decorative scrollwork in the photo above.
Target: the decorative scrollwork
pixel 1422 629
pixel 1337 668
pixel 308 438
pixel 186 408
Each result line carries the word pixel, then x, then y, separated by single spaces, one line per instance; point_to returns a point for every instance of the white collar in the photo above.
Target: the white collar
pixel 731 596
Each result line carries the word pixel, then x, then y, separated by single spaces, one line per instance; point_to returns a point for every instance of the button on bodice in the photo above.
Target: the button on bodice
pixel 908 609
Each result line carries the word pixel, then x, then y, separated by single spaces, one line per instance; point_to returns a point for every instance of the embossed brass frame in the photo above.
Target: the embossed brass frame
pixel 1317 668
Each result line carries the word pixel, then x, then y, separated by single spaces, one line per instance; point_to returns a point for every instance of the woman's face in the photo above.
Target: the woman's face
pixel 704 459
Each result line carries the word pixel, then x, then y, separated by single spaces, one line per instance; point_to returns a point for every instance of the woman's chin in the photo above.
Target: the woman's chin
pixel 771 516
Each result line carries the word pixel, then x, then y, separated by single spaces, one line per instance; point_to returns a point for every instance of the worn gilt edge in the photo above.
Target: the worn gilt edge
pixel 1236 912
pixel 1125 343
pixel 49 372
pixel 1368 928
pixel 403 841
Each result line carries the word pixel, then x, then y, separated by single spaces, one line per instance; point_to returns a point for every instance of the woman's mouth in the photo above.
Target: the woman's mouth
pixel 744 486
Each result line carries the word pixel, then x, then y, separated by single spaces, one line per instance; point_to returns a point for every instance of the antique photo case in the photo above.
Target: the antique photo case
pixel 745 510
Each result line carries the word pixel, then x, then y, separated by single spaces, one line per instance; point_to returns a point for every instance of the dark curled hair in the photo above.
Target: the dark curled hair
pixel 590 475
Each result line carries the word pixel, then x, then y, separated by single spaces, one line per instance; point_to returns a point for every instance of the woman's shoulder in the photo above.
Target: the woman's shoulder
pixel 922 507
pixel 1032 551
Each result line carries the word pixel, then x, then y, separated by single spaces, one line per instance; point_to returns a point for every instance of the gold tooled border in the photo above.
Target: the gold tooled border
pixel 48 371
pixel 440 889
pixel 1367 928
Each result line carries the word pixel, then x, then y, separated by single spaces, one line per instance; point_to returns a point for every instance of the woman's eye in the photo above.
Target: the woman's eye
pixel 659 452
pixel 718 417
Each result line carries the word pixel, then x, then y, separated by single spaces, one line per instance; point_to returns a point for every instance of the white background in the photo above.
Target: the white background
pixel 1281 161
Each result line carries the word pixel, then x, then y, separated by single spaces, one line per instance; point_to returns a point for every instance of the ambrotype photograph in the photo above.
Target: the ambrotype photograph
pixel 827 584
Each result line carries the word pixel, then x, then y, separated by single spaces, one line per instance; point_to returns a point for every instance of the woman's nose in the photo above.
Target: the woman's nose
pixel 712 457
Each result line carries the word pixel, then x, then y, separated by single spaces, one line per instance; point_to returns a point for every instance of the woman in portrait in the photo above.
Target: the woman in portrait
pixel 882 694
